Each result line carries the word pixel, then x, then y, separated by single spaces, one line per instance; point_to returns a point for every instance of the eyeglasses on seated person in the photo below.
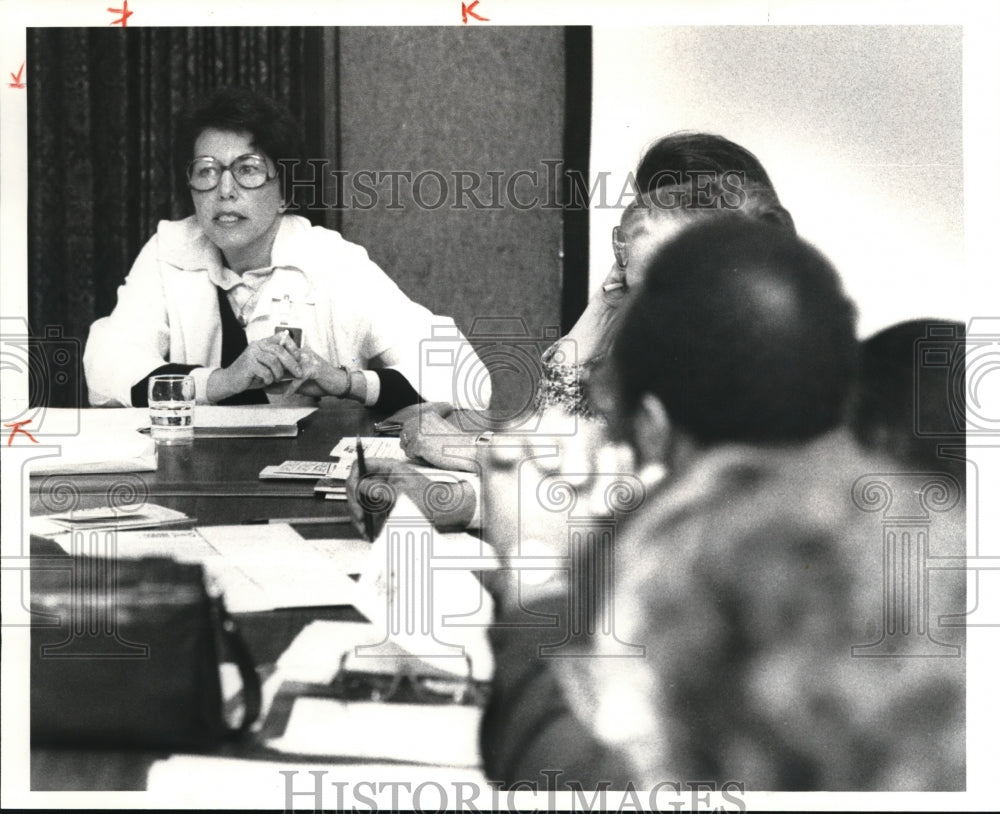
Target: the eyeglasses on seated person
pixel 250 171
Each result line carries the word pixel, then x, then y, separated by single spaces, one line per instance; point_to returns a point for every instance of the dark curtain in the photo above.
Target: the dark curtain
pixel 102 104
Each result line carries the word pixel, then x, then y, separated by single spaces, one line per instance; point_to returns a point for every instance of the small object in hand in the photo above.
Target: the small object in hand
pixel 294 333
pixel 613 286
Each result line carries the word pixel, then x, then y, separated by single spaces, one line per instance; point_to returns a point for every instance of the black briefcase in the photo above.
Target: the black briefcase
pixel 126 653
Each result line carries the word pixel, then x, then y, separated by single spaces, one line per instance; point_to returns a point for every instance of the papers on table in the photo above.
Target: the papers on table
pixel 333 488
pixel 95 441
pixel 346 453
pixel 115 439
pixel 322 648
pixel 440 734
pixel 269 566
pixel 314 657
pixel 207 781
pixel 296 470
pixel 322 724
pixel 420 592
pixel 257 567
pixel 267 421
pixel 347 556
pixel 428 616
pixel 146 515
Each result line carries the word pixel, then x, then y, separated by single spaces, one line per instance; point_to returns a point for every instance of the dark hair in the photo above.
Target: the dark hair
pixel 744 333
pixel 273 129
pixel 690 159
pixel 897 391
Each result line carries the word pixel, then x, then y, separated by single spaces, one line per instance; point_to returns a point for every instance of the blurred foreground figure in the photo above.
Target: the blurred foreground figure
pixel 908 403
pixel 771 621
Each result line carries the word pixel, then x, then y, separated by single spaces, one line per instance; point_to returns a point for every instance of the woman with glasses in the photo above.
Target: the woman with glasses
pixel 682 178
pixel 246 298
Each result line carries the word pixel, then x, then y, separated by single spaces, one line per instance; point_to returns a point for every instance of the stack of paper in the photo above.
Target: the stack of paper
pixel 115 439
pixel 428 615
pixel 439 734
pixel 144 516
pixel 296 470
pixel 95 441
pixel 257 567
pixel 210 420
pixel 267 421
pixel 419 591
pixel 321 724
pixel 346 453
pixel 208 781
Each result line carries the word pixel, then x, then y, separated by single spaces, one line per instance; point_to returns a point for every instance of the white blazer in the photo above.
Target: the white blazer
pixel 350 311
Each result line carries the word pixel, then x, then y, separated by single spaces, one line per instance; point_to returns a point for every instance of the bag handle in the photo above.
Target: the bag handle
pixel 240 653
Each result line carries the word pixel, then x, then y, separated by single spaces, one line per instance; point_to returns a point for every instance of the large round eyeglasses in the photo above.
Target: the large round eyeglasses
pixel 250 171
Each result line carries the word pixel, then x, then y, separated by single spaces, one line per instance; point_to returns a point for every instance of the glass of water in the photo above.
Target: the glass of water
pixel 171 409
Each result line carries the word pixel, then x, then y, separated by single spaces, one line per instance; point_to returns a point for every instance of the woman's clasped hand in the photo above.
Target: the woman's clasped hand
pixel 264 362
pixel 318 377
pixel 276 364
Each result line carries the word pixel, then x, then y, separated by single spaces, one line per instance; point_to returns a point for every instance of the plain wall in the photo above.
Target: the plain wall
pixel 859 127
pixel 446 100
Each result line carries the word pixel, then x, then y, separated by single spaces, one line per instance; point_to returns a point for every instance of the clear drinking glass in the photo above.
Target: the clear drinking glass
pixel 171 409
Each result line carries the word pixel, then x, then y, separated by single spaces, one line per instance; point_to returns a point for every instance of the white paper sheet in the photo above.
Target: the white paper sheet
pixel 419 591
pixel 147 515
pixel 202 781
pixel 96 441
pixel 438 734
pixel 106 440
pixel 211 420
pixel 257 567
pixel 345 453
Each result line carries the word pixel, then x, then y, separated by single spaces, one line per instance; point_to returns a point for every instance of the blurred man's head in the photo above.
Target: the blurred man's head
pixel 741 333
pixel 897 391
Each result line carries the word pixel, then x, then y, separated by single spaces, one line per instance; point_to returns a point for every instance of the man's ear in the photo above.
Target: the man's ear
pixel 652 429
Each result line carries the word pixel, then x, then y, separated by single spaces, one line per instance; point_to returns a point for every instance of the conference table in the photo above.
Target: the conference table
pixel 216 481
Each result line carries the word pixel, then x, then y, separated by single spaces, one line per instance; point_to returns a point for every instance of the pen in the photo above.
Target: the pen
pixel 362 472
pixel 299 521
pixel 613 286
